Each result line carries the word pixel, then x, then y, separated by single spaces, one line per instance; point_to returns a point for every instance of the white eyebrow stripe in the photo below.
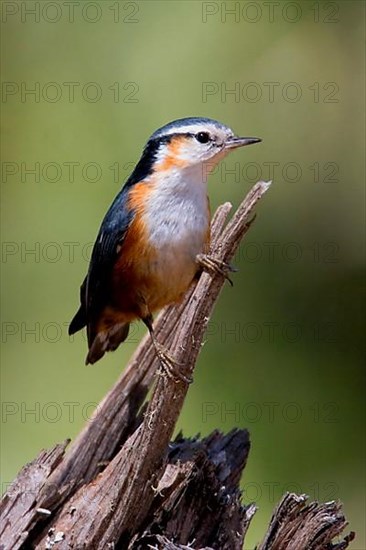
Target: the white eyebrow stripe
pixel 189 129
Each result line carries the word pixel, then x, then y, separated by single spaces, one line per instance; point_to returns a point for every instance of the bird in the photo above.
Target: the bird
pixel 154 240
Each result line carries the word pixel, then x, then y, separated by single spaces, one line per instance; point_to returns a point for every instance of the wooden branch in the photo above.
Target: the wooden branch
pixel 121 482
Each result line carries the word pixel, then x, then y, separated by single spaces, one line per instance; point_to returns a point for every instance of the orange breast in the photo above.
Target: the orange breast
pixel 148 276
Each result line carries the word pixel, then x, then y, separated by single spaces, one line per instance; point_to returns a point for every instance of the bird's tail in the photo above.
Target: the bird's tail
pixel 107 340
pixel 78 322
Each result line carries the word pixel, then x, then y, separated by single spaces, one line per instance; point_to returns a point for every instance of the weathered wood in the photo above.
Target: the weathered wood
pixel 18 504
pixel 295 525
pixel 199 478
pixel 121 483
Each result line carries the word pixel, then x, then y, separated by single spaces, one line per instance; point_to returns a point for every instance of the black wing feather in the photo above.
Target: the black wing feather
pixel 94 292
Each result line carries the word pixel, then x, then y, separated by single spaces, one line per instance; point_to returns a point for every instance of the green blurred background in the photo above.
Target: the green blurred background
pixel 283 353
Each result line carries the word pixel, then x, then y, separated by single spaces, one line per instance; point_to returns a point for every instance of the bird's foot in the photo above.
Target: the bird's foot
pixel 170 366
pixel 215 266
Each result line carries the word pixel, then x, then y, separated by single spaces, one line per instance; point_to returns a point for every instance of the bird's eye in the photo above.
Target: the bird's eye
pixel 203 137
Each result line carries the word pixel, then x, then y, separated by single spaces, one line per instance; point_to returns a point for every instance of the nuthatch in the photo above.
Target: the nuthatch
pixel 153 240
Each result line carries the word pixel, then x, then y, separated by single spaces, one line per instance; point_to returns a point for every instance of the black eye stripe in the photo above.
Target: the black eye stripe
pixel 201 137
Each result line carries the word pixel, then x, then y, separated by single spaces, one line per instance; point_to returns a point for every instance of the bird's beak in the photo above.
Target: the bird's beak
pixel 234 142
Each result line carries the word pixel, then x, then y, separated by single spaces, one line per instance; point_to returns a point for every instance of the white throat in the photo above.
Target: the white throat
pixel 177 208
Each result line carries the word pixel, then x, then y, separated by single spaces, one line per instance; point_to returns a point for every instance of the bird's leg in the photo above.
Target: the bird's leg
pixel 214 266
pixel 167 363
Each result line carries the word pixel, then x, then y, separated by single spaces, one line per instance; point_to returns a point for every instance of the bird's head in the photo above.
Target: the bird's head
pixel 188 144
pixel 193 141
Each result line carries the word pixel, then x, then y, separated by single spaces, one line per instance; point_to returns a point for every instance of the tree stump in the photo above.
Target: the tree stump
pixel 124 485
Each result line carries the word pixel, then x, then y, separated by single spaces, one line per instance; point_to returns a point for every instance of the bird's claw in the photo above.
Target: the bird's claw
pixel 214 266
pixel 169 366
